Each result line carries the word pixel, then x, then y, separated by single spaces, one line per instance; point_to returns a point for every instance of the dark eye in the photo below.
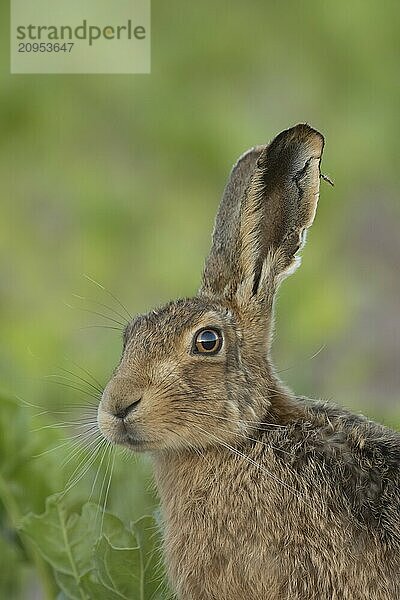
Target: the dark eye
pixel 207 341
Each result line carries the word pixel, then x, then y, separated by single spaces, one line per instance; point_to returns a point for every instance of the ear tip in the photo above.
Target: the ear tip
pixel 300 142
pixel 304 133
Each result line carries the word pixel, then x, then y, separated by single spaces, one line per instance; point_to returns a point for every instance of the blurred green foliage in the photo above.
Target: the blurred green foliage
pixel 122 563
pixel 118 177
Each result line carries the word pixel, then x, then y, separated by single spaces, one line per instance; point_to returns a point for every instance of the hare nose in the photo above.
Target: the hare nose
pixel 120 397
pixel 124 412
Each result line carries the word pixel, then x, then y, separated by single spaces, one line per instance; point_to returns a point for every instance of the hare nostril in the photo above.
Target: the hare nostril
pixel 124 412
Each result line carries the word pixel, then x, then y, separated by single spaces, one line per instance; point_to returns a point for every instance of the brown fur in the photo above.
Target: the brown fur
pixel 264 495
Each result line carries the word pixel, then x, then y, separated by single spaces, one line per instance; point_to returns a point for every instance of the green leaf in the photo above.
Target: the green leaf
pixel 66 540
pixel 11 560
pixel 70 587
pixel 131 572
pixel 98 590
pixel 93 555
pixel 29 481
pixel 118 569
pixel 147 533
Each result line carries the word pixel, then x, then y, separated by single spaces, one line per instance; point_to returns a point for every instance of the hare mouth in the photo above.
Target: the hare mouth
pixel 136 445
pixel 134 442
pixel 124 436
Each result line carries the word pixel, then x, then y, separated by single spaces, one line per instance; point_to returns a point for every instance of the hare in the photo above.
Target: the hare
pixel 264 495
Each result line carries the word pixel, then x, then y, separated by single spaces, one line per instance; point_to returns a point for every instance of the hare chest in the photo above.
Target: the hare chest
pixel 217 539
pixel 235 530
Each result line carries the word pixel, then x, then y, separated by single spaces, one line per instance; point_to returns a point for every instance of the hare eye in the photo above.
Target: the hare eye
pixel 207 341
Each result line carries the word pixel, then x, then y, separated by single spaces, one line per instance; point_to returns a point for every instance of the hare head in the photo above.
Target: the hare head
pixel 196 372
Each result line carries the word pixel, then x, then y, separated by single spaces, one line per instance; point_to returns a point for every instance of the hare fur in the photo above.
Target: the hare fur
pixel 264 495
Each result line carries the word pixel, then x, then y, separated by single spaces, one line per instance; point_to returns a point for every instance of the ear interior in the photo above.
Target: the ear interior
pixel 268 204
pixel 220 264
pixel 282 201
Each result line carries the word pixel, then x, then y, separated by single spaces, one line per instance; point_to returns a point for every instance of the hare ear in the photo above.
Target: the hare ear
pixel 221 263
pixel 268 204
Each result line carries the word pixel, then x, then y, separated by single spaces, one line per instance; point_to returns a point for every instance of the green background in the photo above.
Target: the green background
pixel 118 178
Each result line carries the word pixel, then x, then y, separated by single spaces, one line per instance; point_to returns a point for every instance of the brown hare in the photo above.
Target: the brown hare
pixel 264 495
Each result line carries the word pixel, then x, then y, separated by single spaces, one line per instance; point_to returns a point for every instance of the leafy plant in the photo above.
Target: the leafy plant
pixel 24 484
pixel 93 554
pixel 73 550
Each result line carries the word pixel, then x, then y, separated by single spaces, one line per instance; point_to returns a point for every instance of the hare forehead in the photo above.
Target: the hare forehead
pixel 172 321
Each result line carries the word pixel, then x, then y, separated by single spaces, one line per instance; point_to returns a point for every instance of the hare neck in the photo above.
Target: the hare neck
pixel 184 479
pixel 181 476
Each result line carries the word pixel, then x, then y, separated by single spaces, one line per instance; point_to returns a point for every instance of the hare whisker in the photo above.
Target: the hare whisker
pixel 243 435
pixel 27 403
pixel 53 449
pixel 120 329
pixel 78 473
pixel 79 476
pixel 52 413
pixel 110 308
pixel 65 424
pixel 104 450
pixel 77 447
pixel 67 442
pixel 91 385
pixel 179 396
pixel 304 360
pixel 102 287
pixel 80 444
pixel 97 474
pixel 97 313
pixel 72 387
pixel 81 441
pixel 101 387
pixel 84 448
pixel 89 408
pixel 108 451
pixel 108 489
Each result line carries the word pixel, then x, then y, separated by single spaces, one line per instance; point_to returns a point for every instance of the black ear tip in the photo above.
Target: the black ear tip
pixel 304 133
pixel 299 143
pixel 300 137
